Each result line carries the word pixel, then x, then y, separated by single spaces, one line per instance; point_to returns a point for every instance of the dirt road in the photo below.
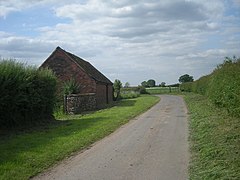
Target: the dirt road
pixel 152 146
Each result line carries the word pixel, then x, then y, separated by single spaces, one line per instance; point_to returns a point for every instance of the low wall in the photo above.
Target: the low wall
pixel 77 103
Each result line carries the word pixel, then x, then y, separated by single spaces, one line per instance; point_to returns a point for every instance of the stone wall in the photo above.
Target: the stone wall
pixel 77 103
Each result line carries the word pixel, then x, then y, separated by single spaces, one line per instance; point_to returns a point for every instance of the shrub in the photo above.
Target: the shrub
pixel 222 86
pixel 187 87
pixel 225 87
pixel 142 90
pixel 27 94
pixel 129 95
pixel 71 87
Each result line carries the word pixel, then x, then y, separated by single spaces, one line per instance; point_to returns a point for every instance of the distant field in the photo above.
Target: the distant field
pixel 162 90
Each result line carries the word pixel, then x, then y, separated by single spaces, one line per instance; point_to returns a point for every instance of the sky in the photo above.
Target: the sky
pixel 130 40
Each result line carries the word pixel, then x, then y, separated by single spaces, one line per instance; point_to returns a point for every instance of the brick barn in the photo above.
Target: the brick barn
pixel 66 66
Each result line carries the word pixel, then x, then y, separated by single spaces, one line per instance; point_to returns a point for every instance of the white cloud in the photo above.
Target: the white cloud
pixel 132 40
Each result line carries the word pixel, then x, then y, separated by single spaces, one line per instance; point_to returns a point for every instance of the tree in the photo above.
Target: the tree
pixel 127 84
pixel 185 78
pixel 163 84
pixel 151 83
pixel 117 85
pixel 144 84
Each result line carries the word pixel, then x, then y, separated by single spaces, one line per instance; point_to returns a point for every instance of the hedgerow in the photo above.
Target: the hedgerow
pixel 27 94
pixel 222 86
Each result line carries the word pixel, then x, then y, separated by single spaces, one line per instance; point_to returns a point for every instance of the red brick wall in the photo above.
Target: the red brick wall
pixel 65 69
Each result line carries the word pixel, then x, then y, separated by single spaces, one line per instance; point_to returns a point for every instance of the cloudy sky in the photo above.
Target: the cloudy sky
pixel 130 40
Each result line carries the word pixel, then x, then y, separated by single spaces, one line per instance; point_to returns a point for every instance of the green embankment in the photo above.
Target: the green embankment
pixel 214 140
pixel 215 123
pixel 222 86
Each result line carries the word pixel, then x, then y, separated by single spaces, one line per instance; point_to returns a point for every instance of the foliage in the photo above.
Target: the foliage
pixel 185 78
pixel 130 95
pixel 222 86
pixel 117 85
pixel 149 83
pixel 138 89
pixel 127 93
pixel 142 90
pixel 174 85
pixel 27 95
pixel 25 155
pixel 187 87
pixel 214 140
pixel 163 84
pixel 127 84
pixel 71 87
pixel 144 84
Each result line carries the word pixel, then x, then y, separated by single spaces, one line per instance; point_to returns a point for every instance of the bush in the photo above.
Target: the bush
pixel 129 95
pixel 222 86
pixel 225 87
pixel 142 90
pixel 187 87
pixel 27 95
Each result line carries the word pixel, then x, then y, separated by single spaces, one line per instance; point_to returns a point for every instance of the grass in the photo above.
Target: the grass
pixel 162 90
pixel 214 139
pixel 27 154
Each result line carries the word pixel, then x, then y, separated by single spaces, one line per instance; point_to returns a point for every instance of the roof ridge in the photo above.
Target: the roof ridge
pixel 87 67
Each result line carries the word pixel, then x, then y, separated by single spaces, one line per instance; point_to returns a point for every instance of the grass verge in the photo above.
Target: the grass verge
pixel 214 140
pixel 25 155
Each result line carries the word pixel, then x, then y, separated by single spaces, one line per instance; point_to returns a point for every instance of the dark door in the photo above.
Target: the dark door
pixel 107 94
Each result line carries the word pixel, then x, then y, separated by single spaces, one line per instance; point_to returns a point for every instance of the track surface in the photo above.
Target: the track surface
pixel 152 146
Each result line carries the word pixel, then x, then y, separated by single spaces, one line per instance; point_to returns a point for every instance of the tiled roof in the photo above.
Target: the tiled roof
pixel 88 68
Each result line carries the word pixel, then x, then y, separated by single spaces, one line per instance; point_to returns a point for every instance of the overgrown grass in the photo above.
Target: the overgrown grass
pixel 162 90
pixel 25 155
pixel 214 139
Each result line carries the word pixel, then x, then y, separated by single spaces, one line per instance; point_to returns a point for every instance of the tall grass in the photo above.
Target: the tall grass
pixel 222 86
pixel 26 94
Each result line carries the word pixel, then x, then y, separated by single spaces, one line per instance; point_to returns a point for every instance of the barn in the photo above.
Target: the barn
pixel 68 66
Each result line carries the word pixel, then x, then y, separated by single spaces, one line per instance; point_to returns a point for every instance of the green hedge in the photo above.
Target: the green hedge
pixel 27 94
pixel 222 86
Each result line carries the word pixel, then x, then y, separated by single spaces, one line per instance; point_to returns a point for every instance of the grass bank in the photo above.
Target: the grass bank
pixel 222 86
pixel 25 155
pixel 214 140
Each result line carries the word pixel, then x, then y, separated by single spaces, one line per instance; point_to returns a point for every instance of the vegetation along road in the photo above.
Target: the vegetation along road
pixel 152 146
